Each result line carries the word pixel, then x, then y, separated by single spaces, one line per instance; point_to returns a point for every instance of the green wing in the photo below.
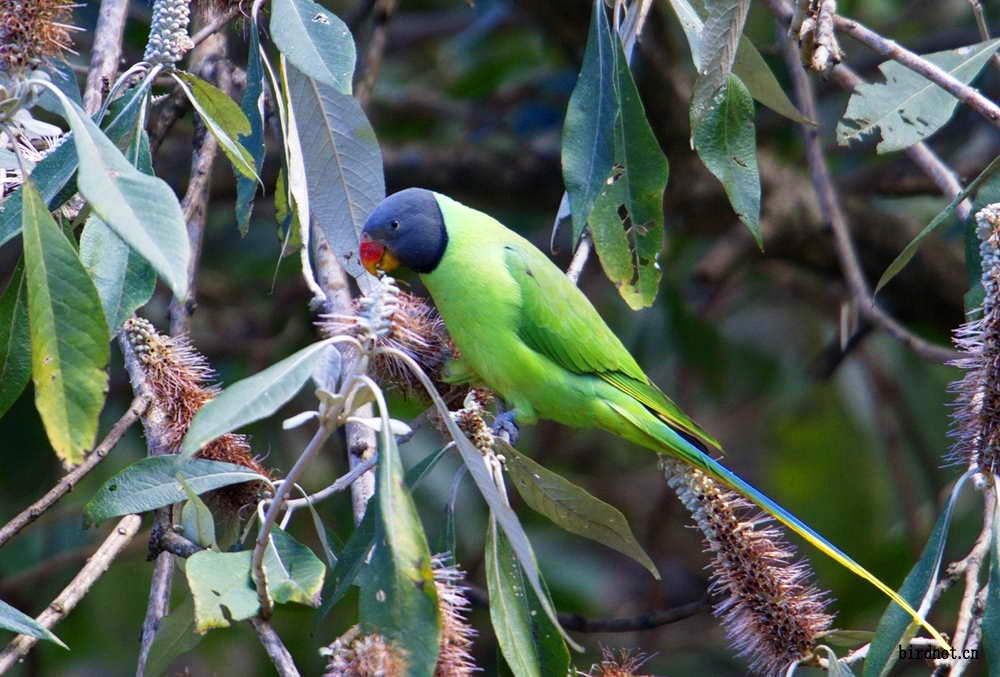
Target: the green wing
pixel 558 321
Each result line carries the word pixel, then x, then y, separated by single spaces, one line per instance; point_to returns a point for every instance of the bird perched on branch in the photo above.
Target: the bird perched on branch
pixel 527 332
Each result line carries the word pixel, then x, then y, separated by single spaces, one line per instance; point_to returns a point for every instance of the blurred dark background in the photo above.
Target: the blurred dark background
pixel 469 101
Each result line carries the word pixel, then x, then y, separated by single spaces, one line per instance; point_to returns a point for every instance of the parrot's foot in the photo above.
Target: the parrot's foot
pixel 504 424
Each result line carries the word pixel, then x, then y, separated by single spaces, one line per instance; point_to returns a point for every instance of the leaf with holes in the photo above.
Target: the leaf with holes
pixel 294 573
pixel 315 40
pixel 221 587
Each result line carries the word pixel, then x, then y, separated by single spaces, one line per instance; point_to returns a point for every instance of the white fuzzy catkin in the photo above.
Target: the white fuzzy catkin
pixel 168 35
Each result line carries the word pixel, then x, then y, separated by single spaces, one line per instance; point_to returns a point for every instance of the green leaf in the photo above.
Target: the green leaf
pixel 991 607
pixel 835 667
pixel 530 644
pixel 196 518
pixel 629 249
pixel 223 118
pixel 399 597
pixel 69 338
pixel 343 163
pixel 124 280
pixel 252 398
pixel 15 340
pixel 907 107
pixel 720 38
pixel 423 468
pixel 23 624
pixel 252 105
pixel 221 587
pixel 351 560
pixel 62 76
pixel 315 40
pixel 896 626
pixel 151 483
pixel 988 180
pixel 142 209
pixel 294 573
pixel 725 142
pixel 588 144
pixel 175 636
pixel 572 508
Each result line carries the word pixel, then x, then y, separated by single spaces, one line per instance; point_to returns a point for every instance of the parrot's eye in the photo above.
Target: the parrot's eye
pixel 394 224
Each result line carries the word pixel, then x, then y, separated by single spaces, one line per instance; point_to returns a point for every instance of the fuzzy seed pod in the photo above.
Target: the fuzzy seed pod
pixel 620 663
pixel 391 318
pixel 976 417
pixel 178 376
pixel 770 611
pixel 356 655
pixel 168 32
pixel 454 657
pixel 32 31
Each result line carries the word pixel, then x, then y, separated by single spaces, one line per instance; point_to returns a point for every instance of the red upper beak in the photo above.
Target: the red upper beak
pixel 371 253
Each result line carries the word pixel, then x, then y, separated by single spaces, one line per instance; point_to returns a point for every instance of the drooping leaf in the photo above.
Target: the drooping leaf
pixel 252 398
pixel 294 573
pixel 315 40
pixel 223 118
pixel 15 340
pixel 252 105
pixel 23 624
pixel 572 508
pixel 399 597
pixel 196 518
pixel 720 39
pixel 836 667
pixel 351 561
pixel 124 280
pixel 151 483
pixel 530 644
pixel 991 607
pixel 907 107
pixel 588 144
pixel 286 216
pixel 69 337
pixel 725 140
pixel 175 636
pixel 141 209
pixel 751 68
pixel 988 181
pixel 343 163
pixel 896 626
pixel 221 588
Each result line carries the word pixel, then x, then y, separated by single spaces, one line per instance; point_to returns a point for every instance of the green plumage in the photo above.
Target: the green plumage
pixel 525 331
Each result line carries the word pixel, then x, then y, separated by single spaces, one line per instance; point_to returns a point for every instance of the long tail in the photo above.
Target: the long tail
pixel 665 440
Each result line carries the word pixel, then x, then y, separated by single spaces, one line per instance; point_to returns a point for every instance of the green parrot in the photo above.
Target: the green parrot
pixel 525 331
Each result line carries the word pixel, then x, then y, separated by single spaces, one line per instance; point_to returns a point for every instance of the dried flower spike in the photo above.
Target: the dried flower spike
pixel 771 613
pixel 620 663
pixel 356 655
pixel 976 418
pixel 168 33
pixel 454 657
pixel 32 31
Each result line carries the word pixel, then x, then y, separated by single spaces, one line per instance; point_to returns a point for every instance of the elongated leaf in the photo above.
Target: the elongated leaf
pixel 15 340
pixel 343 163
pixel 725 142
pixel 572 508
pixel 252 105
pixel 987 181
pixel 720 38
pixel 896 626
pixel 151 483
pixel 908 108
pixel 23 624
pixel 196 518
pixel 142 209
pixel 991 608
pixel 221 588
pixel 399 597
pixel 315 40
pixel 69 338
pixel 252 398
pixel 124 280
pixel 294 573
pixel 351 560
pixel 62 75
pixel 223 118
pixel 175 636
pixel 588 144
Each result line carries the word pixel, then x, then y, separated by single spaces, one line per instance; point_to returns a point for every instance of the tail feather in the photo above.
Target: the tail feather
pixel 664 439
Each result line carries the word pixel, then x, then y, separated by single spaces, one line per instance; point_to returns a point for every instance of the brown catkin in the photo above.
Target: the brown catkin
pixel 454 653
pixel 618 663
pixel 771 613
pixel 976 416
pixel 32 31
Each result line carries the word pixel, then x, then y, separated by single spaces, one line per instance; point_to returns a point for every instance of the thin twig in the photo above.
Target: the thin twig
pixel 66 484
pixel 984 29
pixel 105 53
pixel 274 647
pixel 826 193
pixel 78 588
pixel 648 621
pixel 157 607
pixel 213 26
pixel 580 257
pixel 384 9
pixel 340 484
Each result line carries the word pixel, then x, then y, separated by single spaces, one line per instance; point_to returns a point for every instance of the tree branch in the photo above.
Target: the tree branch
pixel 105 53
pixel 66 484
pixel 580 257
pixel 274 647
pixel 648 621
pixel 78 588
